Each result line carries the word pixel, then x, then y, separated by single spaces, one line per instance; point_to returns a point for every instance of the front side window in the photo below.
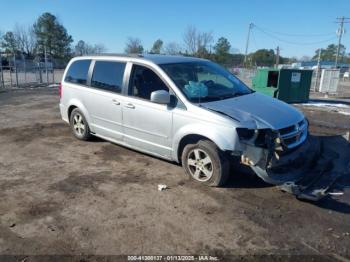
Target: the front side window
pixel 205 81
pixel 78 72
pixel 144 81
pixel 108 75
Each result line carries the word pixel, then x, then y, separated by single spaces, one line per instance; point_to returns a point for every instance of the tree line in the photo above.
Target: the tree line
pixel 48 36
pixel 195 43
pixel 202 45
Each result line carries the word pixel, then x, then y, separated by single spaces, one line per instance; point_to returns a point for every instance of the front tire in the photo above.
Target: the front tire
pixel 206 163
pixel 79 125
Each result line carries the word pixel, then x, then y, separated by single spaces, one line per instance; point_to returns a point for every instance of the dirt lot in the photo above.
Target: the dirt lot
pixel 63 196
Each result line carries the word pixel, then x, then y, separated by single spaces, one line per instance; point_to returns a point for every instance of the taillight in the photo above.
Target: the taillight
pixel 60 89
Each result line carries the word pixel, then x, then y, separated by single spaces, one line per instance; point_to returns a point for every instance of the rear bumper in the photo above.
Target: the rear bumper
pixel 64 112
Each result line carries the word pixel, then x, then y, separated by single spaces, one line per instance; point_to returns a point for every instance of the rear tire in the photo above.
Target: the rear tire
pixel 206 163
pixel 79 125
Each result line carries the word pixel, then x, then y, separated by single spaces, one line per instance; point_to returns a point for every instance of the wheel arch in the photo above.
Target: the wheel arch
pixel 77 104
pixel 189 139
pixel 70 109
pixel 222 141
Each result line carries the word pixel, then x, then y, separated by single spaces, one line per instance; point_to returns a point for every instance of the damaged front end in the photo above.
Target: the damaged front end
pixel 290 159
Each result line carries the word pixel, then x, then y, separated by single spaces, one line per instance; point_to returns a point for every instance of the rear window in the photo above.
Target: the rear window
pixel 78 71
pixel 108 75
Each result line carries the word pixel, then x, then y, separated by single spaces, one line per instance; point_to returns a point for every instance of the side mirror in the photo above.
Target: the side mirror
pixel 160 97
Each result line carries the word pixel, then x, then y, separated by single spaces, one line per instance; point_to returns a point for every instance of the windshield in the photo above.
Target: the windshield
pixel 205 81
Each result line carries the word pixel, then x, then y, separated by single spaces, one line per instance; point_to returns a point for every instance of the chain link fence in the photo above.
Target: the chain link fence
pixel 14 76
pixel 24 74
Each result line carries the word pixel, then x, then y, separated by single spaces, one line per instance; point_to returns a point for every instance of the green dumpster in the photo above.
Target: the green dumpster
pixel 288 85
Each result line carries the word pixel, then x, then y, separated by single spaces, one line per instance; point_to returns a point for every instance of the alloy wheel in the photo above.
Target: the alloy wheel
pixel 79 124
pixel 200 165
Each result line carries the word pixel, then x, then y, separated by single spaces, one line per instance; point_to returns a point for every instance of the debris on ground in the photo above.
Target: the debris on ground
pixel 347 136
pixel 162 187
pixel 336 193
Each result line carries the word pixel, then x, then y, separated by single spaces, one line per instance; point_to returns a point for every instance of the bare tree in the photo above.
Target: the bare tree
pixel 83 48
pixel 190 39
pixel 204 40
pixel 25 39
pixel 196 41
pixel 99 49
pixel 173 48
pixel 133 46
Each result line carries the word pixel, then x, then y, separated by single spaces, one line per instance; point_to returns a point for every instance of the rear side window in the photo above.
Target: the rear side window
pixel 108 75
pixel 78 71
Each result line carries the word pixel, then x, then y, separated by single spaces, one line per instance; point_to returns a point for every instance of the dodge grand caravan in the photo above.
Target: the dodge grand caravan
pixel 183 109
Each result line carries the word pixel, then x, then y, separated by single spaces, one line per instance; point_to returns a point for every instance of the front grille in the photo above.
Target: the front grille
pixel 287 130
pixel 294 135
pixel 290 140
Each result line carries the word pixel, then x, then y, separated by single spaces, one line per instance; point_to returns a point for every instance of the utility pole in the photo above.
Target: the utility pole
pixel 340 32
pixel 251 25
pixel 318 68
pixel 15 65
pixel 47 73
pixel 2 71
pixel 277 56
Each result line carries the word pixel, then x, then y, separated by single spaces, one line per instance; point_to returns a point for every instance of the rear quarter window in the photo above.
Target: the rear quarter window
pixel 78 71
pixel 108 75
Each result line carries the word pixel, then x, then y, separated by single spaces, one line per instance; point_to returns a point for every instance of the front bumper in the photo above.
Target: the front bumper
pixel 305 171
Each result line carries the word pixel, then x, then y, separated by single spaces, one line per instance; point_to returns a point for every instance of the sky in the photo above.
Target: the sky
pixel 298 27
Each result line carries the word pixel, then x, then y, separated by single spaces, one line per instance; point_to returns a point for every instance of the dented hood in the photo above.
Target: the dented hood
pixel 257 111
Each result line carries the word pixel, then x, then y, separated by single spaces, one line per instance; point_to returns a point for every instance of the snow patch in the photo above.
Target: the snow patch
pixel 322 104
pixel 336 107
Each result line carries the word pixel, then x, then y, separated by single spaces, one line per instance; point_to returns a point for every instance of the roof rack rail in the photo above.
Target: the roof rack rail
pixel 116 54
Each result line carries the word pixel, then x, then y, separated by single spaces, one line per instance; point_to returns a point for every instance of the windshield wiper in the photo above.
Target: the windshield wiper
pixel 228 96
pixel 205 99
pixel 234 95
pixel 216 98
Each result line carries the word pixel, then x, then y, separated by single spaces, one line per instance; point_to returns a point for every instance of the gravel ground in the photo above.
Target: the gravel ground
pixel 64 196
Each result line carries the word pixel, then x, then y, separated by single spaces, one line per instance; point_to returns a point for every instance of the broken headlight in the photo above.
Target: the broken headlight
pixel 245 133
pixel 258 137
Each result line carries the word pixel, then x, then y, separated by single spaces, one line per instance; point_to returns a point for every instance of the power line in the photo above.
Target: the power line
pixel 292 42
pixel 295 35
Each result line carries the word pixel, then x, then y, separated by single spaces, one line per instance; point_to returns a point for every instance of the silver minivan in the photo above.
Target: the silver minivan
pixel 183 109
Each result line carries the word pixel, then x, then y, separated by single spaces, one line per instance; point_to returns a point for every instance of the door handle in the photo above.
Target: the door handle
pixel 129 105
pixel 116 102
